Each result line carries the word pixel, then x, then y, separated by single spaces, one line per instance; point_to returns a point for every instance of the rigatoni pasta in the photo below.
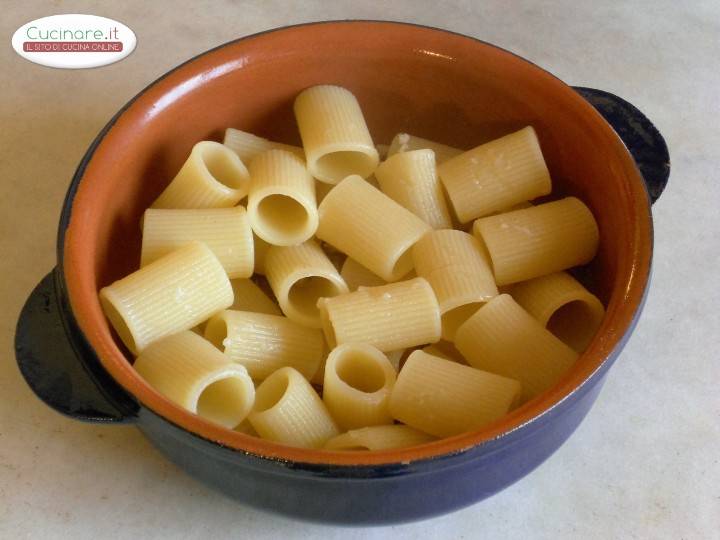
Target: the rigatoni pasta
pixel 212 177
pixel 404 142
pixel 443 398
pixel 389 317
pixel 299 277
pixel 226 231
pixel 247 146
pixel 560 303
pixel 532 242
pixel 357 384
pixel 335 137
pixel 455 265
pixel 378 438
pixel 496 175
pixel 354 302
pixel 289 411
pixel 281 200
pixel 249 297
pixel 265 343
pixel 192 373
pixel 172 294
pixel 370 227
pixel 356 275
pixel 410 179
pixel 503 338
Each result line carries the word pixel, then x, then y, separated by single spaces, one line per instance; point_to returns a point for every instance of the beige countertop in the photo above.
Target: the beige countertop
pixel 646 461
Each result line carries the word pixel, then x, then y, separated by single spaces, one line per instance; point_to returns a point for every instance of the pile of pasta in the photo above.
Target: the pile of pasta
pixel 352 303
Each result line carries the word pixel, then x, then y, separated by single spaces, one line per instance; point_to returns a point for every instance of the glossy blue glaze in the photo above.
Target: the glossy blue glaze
pixel 65 373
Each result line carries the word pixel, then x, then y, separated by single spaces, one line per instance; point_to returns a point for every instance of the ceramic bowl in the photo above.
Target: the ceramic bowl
pixel 424 81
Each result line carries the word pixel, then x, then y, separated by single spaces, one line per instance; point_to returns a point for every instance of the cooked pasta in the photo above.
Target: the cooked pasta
pixel 289 411
pixel 443 398
pixel 389 317
pixel 192 373
pixel 370 227
pixel 546 238
pixel 261 249
pixel 212 177
pixel 174 293
pixel 356 275
pixel 404 142
pixel 249 297
pixel 454 264
pixel 560 303
pixel 378 438
pixel 264 343
pixel 226 231
pixel 335 138
pixel 503 338
pixel 496 175
pixel 247 146
pixel 281 201
pixel 410 179
pixel 299 277
pixel 357 385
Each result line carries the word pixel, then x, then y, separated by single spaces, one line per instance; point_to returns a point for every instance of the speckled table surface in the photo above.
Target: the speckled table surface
pixel 646 461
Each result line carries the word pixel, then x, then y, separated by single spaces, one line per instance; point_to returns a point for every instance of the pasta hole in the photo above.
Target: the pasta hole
pixel 574 323
pixel 216 332
pixel 305 293
pixel 282 215
pixel 223 168
pixel 223 402
pixel 454 318
pixel 403 265
pixel 118 323
pixel 338 165
pixel 271 391
pixel 327 325
pixel 360 371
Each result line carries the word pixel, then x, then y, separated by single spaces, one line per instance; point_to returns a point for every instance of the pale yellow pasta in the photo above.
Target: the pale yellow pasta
pixel 445 349
pixel 546 238
pixel 389 317
pixel 247 146
pixel 504 338
pixel 335 138
pixel 370 227
pixel 250 297
pixel 226 231
pixel 378 438
pixel 212 177
pixel 281 202
pixel 458 270
pixel 261 249
pixel 560 303
pixel 357 384
pixel 289 411
pixel 410 179
pixel 246 427
pixel 264 343
pixel 299 277
pixel 189 371
pixel 444 398
pixel 321 190
pixel 174 293
pixel 395 357
pixel 404 142
pixel 356 275
pixel 496 175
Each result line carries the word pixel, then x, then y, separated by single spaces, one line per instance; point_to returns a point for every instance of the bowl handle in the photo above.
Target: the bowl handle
pixel 640 136
pixel 49 360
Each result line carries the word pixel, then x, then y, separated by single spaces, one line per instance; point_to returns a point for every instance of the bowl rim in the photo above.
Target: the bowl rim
pixel 604 350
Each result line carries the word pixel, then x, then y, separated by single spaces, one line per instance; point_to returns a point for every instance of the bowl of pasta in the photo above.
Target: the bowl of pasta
pixel 356 272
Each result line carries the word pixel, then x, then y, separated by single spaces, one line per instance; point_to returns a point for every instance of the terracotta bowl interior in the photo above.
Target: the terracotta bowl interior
pixel 427 82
